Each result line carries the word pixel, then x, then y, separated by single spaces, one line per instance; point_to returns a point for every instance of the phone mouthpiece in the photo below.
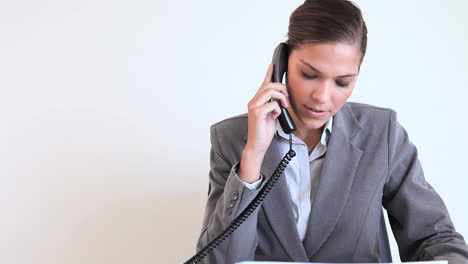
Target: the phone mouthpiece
pixel 286 121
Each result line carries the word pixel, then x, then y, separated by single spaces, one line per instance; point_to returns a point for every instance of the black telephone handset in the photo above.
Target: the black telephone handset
pixel 280 61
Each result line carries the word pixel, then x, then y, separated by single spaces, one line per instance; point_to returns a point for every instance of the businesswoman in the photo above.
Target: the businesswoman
pixel 351 160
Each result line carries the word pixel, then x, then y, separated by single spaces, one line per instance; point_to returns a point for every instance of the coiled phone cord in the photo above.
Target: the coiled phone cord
pixel 248 210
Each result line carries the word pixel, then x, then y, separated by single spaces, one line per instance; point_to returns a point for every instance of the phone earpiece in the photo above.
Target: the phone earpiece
pixel 280 62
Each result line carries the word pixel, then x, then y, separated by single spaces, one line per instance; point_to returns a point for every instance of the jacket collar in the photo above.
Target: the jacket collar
pixel 336 178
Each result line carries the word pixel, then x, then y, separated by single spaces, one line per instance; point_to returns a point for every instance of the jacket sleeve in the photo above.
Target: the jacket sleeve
pixel 418 217
pixel 228 196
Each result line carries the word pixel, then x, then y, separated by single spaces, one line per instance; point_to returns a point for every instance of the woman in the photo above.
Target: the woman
pixel 352 159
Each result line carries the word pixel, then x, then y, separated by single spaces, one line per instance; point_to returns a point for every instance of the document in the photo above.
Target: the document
pixel 417 262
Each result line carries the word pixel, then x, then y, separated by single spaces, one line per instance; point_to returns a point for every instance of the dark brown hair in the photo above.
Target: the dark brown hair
pixel 327 21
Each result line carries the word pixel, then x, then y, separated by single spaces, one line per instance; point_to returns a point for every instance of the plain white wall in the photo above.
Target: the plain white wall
pixel 106 107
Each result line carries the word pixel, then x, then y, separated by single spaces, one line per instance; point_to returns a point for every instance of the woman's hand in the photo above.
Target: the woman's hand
pixel 261 125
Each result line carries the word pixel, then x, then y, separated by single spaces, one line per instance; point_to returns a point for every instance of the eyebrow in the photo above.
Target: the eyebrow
pixel 313 68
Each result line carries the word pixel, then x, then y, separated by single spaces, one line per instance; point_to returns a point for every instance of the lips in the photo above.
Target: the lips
pixel 315 109
pixel 314 112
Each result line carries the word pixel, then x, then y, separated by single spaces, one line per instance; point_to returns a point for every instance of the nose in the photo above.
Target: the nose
pixel 320 92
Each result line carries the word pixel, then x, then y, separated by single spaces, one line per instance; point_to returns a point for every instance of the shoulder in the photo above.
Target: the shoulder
pixel 228 136
pixel 370 116
pixel 233 123
pixel 232 129
pixel 361 110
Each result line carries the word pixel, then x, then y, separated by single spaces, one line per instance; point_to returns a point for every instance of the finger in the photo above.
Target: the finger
pixel 274 115
pixel 277 86
pixel 266 95
pixel 271 108
pixel 269 74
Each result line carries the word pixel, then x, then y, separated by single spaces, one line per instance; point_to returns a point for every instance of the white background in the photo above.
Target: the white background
pixel 105 108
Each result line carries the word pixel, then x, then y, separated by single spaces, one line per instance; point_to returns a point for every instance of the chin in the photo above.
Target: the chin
pixel 308 122
pixel 313 124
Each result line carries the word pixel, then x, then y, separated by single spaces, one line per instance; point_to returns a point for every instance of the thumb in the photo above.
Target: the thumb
pixel 269 73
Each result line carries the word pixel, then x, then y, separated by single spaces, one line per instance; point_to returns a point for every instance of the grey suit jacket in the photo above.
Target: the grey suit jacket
pixel 369 162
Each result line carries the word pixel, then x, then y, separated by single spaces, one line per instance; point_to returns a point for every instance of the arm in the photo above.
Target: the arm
pixel 419 219
pixel 228 195
pixel 227 198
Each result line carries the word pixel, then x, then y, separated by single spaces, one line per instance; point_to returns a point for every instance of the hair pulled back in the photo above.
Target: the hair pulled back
pixel 317 21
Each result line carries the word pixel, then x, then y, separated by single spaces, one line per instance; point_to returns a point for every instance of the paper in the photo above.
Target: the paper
pixel 417 262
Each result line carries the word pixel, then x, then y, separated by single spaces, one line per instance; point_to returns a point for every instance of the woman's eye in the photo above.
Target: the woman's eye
pixel 342 84
pixel 305 75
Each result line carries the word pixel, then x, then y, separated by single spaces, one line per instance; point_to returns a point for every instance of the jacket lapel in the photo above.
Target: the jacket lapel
pixel 336 178
pixel 278 209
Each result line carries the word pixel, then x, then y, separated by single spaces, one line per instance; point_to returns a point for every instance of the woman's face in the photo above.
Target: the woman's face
pixel 320 79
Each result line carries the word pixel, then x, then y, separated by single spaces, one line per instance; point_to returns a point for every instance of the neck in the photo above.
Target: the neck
pixel 305 134
pixel 310 137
